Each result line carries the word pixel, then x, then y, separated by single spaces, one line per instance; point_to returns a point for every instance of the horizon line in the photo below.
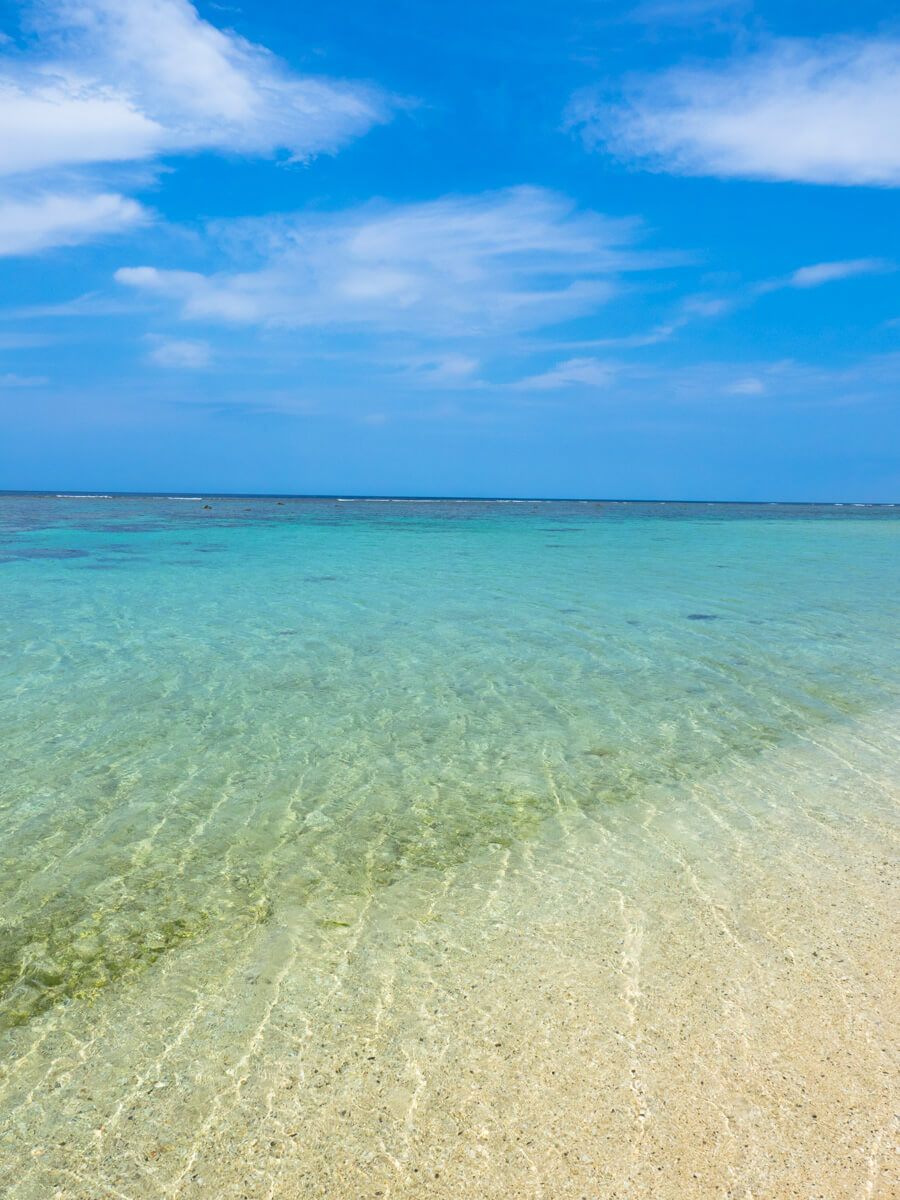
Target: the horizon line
pixel 89 494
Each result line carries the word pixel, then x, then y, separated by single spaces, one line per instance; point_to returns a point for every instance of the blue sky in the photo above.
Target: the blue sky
pixel 569 249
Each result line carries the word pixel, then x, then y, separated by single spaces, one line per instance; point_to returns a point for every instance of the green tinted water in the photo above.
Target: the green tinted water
pixel 213 715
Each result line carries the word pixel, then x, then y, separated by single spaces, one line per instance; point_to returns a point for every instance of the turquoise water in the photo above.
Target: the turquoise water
pixel 212 716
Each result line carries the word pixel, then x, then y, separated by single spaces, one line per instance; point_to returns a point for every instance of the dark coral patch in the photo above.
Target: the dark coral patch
pixel 47 552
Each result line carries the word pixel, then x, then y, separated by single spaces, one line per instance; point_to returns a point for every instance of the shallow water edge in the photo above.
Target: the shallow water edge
pixel 694 998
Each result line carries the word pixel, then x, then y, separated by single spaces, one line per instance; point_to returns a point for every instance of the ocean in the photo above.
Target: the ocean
pixel 358 847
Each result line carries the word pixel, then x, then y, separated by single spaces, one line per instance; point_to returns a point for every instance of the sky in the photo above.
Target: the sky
pixel 579 249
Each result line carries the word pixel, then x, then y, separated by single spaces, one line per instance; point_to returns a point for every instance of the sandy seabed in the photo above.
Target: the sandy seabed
pixel 692 997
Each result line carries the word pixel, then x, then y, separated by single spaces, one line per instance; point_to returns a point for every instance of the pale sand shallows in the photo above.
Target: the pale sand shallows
pixel 695 997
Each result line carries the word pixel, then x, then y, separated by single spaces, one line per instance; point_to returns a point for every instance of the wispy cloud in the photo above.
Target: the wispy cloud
pixel 12 380
pixel 805 278
pixel 628 384
pixel 829 272
pixel 586 372
pixel 112 81
pixel 180 354
pixel 442 370
pixel 460 265
pixel 748 386
pixel 88 305
pixel 704 307
pixel 688 310
pixel 872 379
pixel 824 111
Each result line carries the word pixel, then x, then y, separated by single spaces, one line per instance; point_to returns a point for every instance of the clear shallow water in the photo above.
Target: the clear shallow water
pixel 215 717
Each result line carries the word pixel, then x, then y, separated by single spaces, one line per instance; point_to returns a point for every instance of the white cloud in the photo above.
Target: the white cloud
pixel 590 372
pixel 44 221
pixel 117 80
pixel 461 265
pixel 171 352
pixel 823 112
pixel 112 81
pixel 52 125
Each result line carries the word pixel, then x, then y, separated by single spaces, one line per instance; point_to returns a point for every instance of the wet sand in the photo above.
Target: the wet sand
pixel 694 996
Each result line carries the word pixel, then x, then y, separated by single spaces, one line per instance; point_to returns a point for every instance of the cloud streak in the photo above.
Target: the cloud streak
pixel 829 272
pixel 805 278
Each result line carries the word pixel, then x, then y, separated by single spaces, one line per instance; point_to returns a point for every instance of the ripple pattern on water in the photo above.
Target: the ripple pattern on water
pixel 266 707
